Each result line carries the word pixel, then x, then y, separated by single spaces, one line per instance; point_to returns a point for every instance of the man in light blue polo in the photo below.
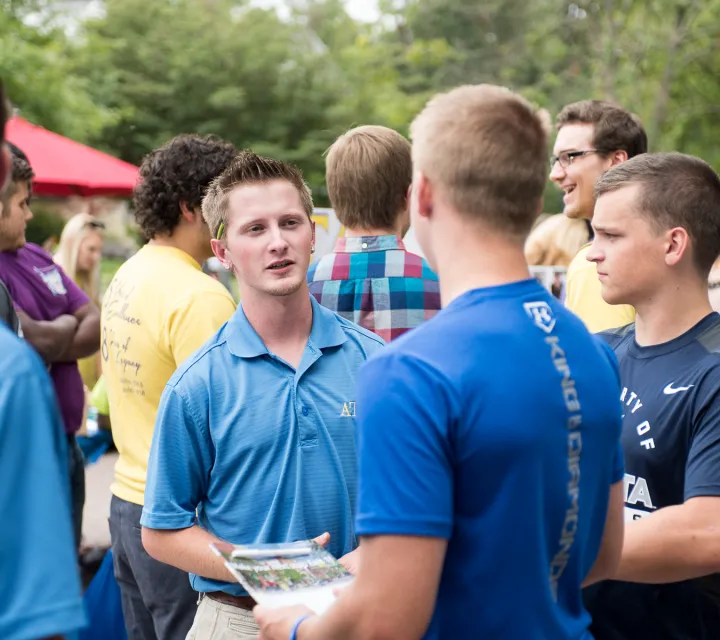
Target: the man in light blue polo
pixel 256 431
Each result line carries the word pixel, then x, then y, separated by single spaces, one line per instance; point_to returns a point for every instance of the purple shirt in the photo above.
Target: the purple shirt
pixel 43 291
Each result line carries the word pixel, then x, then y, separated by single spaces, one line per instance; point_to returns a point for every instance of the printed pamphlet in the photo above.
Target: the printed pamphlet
pixel 279 575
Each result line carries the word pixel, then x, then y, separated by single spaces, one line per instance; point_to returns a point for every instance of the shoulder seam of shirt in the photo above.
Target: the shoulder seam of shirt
pixel 192 361
pixel 189 406
pixel 447 386
pixel 361 330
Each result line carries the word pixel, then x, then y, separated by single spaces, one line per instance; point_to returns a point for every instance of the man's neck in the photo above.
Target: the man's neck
pixel 282 322
pixel 180 241
pixel 468 259
pixel 670 313
pixel 358 232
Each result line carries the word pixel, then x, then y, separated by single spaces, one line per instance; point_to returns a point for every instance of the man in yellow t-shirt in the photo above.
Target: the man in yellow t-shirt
pixel 158 310
pixel 592 137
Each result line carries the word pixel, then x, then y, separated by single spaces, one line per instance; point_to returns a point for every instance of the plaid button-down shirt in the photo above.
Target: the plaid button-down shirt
pixel 374 282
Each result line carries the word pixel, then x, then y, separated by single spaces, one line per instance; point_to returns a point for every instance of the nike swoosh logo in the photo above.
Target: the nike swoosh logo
pixel 670 390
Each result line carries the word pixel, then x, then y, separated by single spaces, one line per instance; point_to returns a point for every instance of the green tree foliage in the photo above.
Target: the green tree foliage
pixel 38 75
pixel 287 83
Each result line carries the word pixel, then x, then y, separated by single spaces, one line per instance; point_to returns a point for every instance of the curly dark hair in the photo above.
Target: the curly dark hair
pixel 20 171
pixel 179 171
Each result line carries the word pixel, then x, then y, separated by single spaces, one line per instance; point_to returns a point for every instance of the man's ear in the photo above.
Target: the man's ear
pixel 423 194
pixel 678 242
pixel 187 213
pixel 221 253
pixel 618 157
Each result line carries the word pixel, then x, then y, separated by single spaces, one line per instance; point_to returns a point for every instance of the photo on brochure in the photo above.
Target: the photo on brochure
pixel 278 575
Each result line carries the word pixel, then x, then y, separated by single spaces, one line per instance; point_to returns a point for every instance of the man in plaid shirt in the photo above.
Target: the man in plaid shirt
pixel 370 278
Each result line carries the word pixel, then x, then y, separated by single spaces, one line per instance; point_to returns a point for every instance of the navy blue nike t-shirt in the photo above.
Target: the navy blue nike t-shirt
pixel 495 426
pixel 671 443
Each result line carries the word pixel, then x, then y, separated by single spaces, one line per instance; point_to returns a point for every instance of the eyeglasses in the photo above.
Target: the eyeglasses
pixel 568 157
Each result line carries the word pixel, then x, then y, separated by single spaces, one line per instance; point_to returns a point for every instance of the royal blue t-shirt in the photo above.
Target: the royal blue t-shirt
pixel 671 442
pixel 496 426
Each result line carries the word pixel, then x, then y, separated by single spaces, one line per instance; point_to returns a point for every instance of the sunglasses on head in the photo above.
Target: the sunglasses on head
pixel 95 224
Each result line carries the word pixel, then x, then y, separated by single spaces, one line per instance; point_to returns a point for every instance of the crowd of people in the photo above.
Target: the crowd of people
pixel 486 459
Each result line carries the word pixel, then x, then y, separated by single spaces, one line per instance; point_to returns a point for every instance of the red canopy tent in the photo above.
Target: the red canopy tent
pixel 64 167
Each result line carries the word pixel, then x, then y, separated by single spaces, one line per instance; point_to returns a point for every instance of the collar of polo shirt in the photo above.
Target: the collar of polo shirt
pixel 244 342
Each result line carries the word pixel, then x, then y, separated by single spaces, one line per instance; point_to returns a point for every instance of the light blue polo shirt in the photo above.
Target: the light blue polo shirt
pixel 40 592
pixel 264 452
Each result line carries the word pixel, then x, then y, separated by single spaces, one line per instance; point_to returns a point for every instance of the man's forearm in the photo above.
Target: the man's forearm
pixel 671 545
pixel 49 338
pixel 346 620
pixel 187 549
pixel 86 340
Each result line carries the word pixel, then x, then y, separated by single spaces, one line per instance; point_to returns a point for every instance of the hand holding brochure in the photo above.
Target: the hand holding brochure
pixel 279 575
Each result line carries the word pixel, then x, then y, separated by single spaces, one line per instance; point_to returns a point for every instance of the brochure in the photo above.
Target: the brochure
pixel 279 575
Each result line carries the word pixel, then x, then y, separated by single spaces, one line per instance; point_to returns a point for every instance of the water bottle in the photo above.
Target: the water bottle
pixel 92 422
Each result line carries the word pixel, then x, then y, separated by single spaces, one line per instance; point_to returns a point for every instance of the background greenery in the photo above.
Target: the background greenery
pixel 148 70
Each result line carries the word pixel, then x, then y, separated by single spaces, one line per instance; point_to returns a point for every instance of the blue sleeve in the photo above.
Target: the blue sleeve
pixel 405 458
pixel 179 464
pixel 702 469
pixel 618 472
pixel 39 583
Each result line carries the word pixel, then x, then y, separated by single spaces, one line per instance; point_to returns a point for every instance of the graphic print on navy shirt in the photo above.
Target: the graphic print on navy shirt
pixel 671 443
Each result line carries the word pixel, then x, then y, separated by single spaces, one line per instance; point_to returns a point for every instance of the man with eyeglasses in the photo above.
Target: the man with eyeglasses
pixel 593 136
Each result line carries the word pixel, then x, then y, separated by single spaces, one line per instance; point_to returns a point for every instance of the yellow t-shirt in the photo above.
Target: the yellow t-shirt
pixel 583 296
pixel 159 309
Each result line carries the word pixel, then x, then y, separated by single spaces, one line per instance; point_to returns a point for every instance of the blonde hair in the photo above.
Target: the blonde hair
pixel 248 168
pixel 368 171
pixel 486 148
pixel 74 232
pixel 556 241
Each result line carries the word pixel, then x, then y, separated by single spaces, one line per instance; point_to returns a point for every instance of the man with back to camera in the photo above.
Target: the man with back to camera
pixel 256 432
pixel 159 308
pixel 489 488
pixel 592 137
pixel 657 234
pixel 370 278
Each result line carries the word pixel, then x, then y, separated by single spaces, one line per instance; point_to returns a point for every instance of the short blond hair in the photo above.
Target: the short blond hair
pixel 248 168
pixel 486 148
pixel 368 172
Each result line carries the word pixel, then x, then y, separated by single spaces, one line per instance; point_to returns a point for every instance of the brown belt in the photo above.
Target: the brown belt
pixel 241 602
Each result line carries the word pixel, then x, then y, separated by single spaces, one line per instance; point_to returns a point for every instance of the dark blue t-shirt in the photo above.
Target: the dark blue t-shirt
pixel 671 442
pixel 496 426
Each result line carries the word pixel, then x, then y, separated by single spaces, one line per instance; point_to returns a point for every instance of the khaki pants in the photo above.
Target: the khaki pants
pixel 217 621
